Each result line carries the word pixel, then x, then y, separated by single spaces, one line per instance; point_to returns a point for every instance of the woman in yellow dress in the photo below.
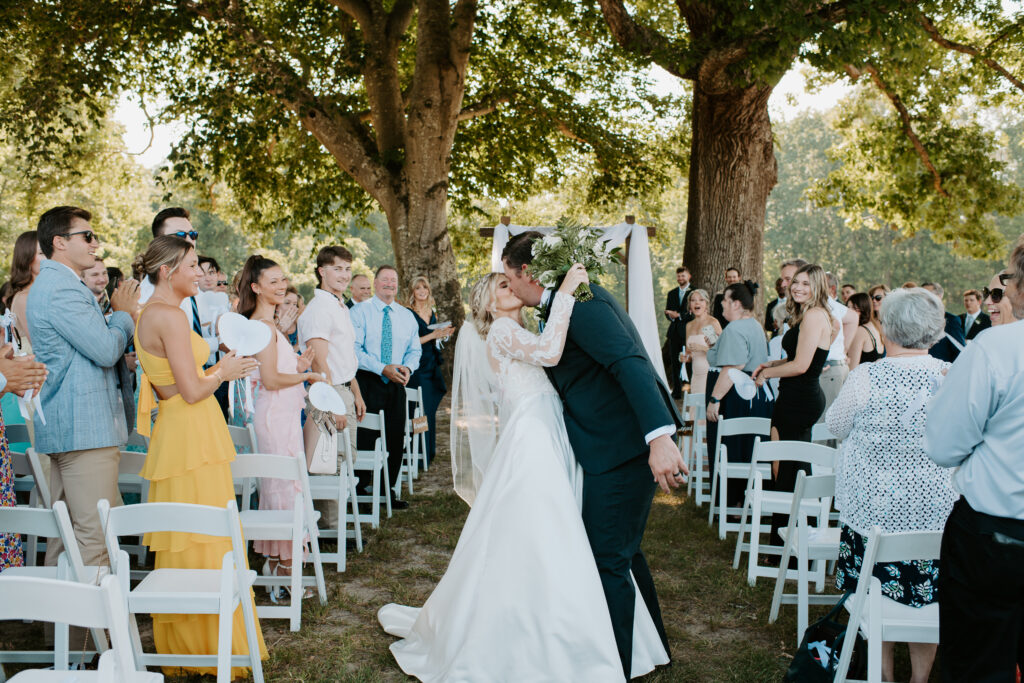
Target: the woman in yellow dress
pixel 190 450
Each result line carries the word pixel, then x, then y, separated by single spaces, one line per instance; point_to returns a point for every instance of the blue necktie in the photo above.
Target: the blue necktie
pixel 197 326
pixel 385 338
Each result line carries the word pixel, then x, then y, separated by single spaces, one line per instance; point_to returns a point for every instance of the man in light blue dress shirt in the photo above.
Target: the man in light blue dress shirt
pixel 85 421
pixel 976 424
pixel 388 348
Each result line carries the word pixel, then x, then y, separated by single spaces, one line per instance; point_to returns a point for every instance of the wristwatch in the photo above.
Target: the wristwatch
pixel 714 400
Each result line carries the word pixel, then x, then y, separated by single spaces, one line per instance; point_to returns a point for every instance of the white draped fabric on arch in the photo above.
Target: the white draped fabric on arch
pixel 639 279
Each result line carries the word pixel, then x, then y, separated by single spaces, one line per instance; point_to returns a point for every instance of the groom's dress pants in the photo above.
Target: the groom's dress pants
pixel 615 508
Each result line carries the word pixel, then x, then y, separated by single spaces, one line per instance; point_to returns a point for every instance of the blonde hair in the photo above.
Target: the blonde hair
pixel 166 250
pixel 412 292
pixel 703 294
pixel 481 302
pixel 819 295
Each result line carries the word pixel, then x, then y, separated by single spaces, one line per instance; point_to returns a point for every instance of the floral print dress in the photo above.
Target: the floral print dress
pixel 10 544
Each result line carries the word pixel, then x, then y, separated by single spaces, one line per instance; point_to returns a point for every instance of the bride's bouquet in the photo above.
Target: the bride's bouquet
pixel 571 242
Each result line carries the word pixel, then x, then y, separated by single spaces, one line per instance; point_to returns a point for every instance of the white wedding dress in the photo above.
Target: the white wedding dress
pixel 521 600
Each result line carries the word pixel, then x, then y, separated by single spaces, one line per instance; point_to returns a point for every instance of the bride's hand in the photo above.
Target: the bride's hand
pixel 576 276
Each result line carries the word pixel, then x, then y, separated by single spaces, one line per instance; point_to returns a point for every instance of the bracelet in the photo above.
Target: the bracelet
pixel 220 378
pixel 714 400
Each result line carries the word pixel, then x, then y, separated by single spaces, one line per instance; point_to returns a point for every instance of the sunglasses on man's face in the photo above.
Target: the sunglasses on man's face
pixel 995 294
pixel 222 283
pixel 88 235
pixel 191 234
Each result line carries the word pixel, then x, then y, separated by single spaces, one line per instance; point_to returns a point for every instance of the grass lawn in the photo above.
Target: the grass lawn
pixel 717 625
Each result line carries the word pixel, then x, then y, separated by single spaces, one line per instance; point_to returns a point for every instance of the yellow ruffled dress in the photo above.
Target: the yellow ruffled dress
pixel 189 461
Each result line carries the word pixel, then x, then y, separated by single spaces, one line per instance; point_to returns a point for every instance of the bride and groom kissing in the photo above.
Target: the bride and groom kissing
pixel 548 581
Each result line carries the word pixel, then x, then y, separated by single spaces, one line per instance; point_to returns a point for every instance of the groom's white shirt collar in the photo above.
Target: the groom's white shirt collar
pixel 545 299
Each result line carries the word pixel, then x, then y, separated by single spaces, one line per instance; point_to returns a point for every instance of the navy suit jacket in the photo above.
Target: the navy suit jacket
pixel 611 393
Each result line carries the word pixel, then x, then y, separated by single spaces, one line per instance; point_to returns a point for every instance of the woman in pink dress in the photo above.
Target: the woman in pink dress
pixel 701 334
pixel 280 398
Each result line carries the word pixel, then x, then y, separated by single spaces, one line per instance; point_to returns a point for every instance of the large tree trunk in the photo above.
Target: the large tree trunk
pixel 422 247
pixel 732 171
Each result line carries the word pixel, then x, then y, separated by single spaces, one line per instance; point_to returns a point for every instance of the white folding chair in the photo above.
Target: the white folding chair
pixel 49 523
pixel 693 415
pixel 29 476
pixel 282 525
pixel 341 488
pixel 759 503
pixel 882 619
pixel 414 446
pixel 375 462
pixel 737 426
pixel 820 434
pixel 243 438
pixel 66 602
pixel 812 546
pixel 187 591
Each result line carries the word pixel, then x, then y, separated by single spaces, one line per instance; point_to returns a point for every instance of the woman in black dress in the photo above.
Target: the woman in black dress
pixel 429 375
pixel 800 401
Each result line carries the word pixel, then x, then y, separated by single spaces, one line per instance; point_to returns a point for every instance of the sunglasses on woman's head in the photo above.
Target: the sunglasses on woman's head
pixel 191 234
pixel 996 294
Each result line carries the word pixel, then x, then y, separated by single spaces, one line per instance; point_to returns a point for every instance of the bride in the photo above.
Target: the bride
pixel 521 599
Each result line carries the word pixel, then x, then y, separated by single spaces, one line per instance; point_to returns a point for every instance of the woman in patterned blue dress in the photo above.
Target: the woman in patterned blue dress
pixel 883 476
pixel 10 544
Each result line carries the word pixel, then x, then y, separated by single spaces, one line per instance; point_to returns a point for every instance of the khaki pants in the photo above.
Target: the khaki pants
pixel 81 479
pixel 328 509
pixel 831 380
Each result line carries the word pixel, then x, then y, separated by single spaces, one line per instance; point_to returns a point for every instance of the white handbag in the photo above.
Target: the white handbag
pixel 325 454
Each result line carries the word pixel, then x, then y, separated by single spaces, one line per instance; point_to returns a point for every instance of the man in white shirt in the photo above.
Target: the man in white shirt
pixel 976 424
pixel 326 328
pixel 835 371
pixel 389 349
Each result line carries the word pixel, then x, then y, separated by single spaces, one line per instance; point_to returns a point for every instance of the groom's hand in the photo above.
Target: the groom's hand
pixel 667 464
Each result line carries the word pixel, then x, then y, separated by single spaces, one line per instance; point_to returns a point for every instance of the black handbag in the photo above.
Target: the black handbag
pixel 817 658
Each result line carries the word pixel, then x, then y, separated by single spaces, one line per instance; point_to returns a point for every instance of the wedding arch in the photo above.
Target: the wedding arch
pixel 639 280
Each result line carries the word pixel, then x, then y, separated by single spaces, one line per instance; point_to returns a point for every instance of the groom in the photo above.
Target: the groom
pixel 621 421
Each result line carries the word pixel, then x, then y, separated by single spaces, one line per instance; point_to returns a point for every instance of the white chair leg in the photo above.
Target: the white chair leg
pixel 387 478
pixel 875 632
pixel 224 640
pixel 252 637
pixel 743 530
pixel 375 504
pixel 754 549
pixel 802 583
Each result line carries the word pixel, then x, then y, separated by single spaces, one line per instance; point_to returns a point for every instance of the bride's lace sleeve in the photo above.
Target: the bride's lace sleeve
pixel 509 339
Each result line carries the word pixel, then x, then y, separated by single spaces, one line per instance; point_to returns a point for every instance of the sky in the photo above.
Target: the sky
pixel 789 98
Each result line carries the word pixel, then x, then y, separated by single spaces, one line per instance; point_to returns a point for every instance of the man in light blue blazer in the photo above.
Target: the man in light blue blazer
pixel 85 421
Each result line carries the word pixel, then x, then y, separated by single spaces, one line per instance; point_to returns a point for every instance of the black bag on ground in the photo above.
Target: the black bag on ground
pixel 817 658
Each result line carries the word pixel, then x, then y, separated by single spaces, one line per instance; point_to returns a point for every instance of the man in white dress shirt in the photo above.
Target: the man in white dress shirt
pixel 388 347
pixel 835 371
pixel 976 424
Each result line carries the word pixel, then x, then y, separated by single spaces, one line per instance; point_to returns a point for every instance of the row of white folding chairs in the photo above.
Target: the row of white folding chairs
pixel 49 523
pixel 187 591
pixel 67 602
pixel 878 617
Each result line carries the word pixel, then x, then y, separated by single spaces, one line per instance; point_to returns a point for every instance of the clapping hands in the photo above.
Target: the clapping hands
pixel 22 373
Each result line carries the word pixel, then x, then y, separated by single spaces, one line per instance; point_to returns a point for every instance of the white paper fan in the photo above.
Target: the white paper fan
pixel 243 336
pixel 744 384
pixel 325 398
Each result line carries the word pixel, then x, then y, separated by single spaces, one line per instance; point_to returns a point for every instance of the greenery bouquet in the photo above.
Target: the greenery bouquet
pixel 571 242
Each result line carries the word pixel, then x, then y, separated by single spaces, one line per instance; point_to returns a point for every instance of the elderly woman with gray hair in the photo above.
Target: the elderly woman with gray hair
pixel 884 477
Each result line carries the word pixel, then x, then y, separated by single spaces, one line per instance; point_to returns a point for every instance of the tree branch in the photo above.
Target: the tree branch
pixel 357 9
pixel 483 107
pixel 932 31
pixel 399 18
pixel 908 128
pixel 639 39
